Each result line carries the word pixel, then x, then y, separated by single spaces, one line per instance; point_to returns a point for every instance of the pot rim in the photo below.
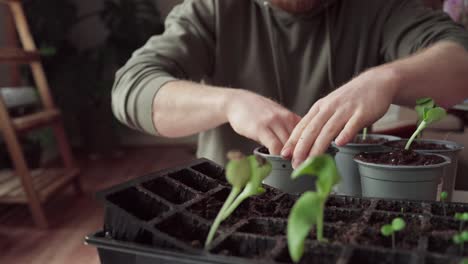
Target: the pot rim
pixel 332 150
pixel 454 146
pixel 406 167
pixel 389 137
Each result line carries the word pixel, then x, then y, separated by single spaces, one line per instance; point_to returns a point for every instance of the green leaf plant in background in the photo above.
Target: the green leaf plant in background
pixel 460 240
pixel 245 174
pixel 397 225
pixel 443 198
pixel 462 217
pixel 308 211
pixel 428 113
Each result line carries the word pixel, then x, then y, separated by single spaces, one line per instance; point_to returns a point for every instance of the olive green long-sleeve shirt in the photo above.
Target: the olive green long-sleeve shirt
pixel 294 59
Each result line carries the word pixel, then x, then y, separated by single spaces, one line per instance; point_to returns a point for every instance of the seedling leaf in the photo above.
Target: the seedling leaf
pixel 464 217
pixel 464 236
pixel 457 239
pixel 443 196
pixel 386 230
pixel 238 169
pixel 324 168
pixel 434 115
pixel 300 221
pixel 458 216
pixel 398 224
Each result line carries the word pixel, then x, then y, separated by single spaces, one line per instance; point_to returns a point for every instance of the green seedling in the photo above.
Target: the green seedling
pixel 260 169
pixel 464 261
pixel 423 104
pixel 397 225
pixel 443 198
pixel 364 133
pixel 244 174
pixel 429 114
pixel 309 208
pixel 460 240
pixel 462 217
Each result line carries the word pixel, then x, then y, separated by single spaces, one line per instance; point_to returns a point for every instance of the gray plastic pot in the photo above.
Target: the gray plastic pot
pixel 401 182
pixel 280 176
pixel 350 181
pixel 450 171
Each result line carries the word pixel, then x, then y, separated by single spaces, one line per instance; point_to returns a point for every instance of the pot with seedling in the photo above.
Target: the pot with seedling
pixel 403 173
pixel 279 177
pixel 308 211
pixel 444 147
pixel 351 182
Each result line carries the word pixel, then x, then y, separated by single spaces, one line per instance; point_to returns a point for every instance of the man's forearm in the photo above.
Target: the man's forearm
pixel 182 108
pixel 439 72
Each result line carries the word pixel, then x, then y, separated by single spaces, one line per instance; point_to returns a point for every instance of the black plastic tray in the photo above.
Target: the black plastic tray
pixel 164 217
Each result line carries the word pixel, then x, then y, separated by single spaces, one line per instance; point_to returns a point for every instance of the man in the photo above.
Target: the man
pixel 266 64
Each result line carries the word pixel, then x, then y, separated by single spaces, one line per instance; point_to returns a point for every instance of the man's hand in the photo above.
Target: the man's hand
pixel 342 114
pixel 260 119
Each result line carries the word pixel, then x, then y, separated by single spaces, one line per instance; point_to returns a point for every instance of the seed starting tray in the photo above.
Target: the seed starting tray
pixel 164 217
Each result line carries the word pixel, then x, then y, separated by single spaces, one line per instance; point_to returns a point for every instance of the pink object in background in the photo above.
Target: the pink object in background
pixel 455 8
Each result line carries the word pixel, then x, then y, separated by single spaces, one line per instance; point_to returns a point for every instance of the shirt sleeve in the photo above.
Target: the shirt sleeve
pixel 184 51
pixel 410 26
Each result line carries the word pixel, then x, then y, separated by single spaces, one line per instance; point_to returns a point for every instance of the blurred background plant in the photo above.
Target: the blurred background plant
pixel 81 79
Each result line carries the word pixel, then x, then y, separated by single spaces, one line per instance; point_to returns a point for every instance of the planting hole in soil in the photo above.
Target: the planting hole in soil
pixel 315 253
pixel 211 171
pixel 368 256
pixel 443 224
pixel 443 244
pixel 452 209
pixel 147 209
pixel 194 180
pixel 399 206
pixel 266 227
pixel 348 202
pixel 185 228
pixel 436 259
pixel 342 215
pixel 247 246
pixel 169 190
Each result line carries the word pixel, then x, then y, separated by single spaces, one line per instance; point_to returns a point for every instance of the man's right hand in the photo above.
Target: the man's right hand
pixel 260 119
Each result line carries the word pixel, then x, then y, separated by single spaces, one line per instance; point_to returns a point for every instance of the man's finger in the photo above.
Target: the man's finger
pixel 354 125
pixel 269 139
pixel 308 137
pixel 280 131
pixel 288 148
pixel 331 129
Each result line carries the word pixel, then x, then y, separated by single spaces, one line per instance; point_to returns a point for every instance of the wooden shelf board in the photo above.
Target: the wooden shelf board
pixel 46 182
pixel 15 55
pixel 35 120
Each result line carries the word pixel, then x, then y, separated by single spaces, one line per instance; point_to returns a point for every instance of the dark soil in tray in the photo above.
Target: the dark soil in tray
pixel 173 211
pixel 400 157
pixel 406 239
pixel 417 145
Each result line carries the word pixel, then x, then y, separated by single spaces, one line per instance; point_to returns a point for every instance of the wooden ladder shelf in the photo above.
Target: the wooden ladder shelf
pixel 23 185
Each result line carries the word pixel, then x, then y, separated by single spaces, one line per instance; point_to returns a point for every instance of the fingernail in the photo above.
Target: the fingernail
pixel 286 153
pixel 296 163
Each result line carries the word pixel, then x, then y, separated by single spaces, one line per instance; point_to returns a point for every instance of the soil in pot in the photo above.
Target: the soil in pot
pixel 368 140
pixel 400 157
pixel 417 145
